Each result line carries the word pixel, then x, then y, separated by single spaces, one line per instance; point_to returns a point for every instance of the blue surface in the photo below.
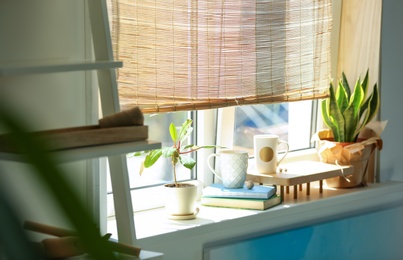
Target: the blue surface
pixel 378 235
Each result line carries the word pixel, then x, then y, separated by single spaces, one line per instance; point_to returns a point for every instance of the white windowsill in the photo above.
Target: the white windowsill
pixel 224 224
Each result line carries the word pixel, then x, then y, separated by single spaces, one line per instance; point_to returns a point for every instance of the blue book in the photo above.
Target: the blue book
pixel 258 191
pixel 242 203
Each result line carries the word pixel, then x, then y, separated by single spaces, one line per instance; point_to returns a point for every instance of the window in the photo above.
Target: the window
pixel 293 122
pixel 202 54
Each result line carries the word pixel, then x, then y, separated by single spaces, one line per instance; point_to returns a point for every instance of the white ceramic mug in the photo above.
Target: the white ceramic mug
pixel 265 146
pixel 232 167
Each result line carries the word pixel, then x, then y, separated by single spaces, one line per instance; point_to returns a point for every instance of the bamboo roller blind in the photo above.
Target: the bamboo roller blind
pixel 202 54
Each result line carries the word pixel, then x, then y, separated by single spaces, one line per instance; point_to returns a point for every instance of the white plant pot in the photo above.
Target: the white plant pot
pixel 180 202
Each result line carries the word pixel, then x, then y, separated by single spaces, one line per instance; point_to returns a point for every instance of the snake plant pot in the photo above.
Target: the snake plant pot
pixel 361 161
pixel 348 112
pixel 357 154
pixel 180 202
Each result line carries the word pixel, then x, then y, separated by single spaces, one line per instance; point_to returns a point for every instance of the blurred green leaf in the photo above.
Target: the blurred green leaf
pixel 13 240
pixel 33 152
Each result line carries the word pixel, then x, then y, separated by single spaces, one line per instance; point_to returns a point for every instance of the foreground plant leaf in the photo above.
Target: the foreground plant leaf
pixel 33 151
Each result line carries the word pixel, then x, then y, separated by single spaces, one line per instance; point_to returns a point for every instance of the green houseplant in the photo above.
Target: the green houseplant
pixel 348 141
pixel 180 197
pixel 346 113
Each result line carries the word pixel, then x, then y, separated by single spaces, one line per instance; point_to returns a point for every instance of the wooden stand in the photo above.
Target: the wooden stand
pixel 300 173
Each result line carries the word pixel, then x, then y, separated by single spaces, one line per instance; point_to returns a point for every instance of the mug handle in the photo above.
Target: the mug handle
pixel 286 152
pixel 211 168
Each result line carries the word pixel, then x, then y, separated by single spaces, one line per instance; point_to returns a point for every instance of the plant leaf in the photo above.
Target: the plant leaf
pixel 357 98
pixel 173 132
pixel 336 117
pixel 187 161
pixel 168 151
pixel 45 169
pixel 139 153
pixel 342 98
pixel 208 146
pixel 13 239
pixel 364 84
pixel 352 113
pixel 350 124
pixel 372 107
pixel 152 157
pixel 186 130
pixel 325 113
pixel 193 147
pixel 141 168
pixel 364 106
pixel 374 103
pixel 345 85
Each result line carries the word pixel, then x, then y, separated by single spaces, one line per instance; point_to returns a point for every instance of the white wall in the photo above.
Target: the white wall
pixel 36 31
pixel 391 157
pixel 60 99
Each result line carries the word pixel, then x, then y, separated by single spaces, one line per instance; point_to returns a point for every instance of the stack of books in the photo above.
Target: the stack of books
pixel 258 198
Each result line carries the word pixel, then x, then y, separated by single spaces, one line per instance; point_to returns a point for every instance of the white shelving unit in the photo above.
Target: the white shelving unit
pixel 24 68
pixel 90 152
pixel 116 153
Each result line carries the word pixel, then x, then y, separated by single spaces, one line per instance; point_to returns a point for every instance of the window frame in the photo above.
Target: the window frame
pixel 226 122
pixel 213 126
pixel 225 135
pixel 206 123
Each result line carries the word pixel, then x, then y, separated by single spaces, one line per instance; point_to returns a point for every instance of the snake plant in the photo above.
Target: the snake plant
pixel 347 112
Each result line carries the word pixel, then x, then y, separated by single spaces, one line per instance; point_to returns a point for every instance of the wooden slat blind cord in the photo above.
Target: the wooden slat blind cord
pixel 180 55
